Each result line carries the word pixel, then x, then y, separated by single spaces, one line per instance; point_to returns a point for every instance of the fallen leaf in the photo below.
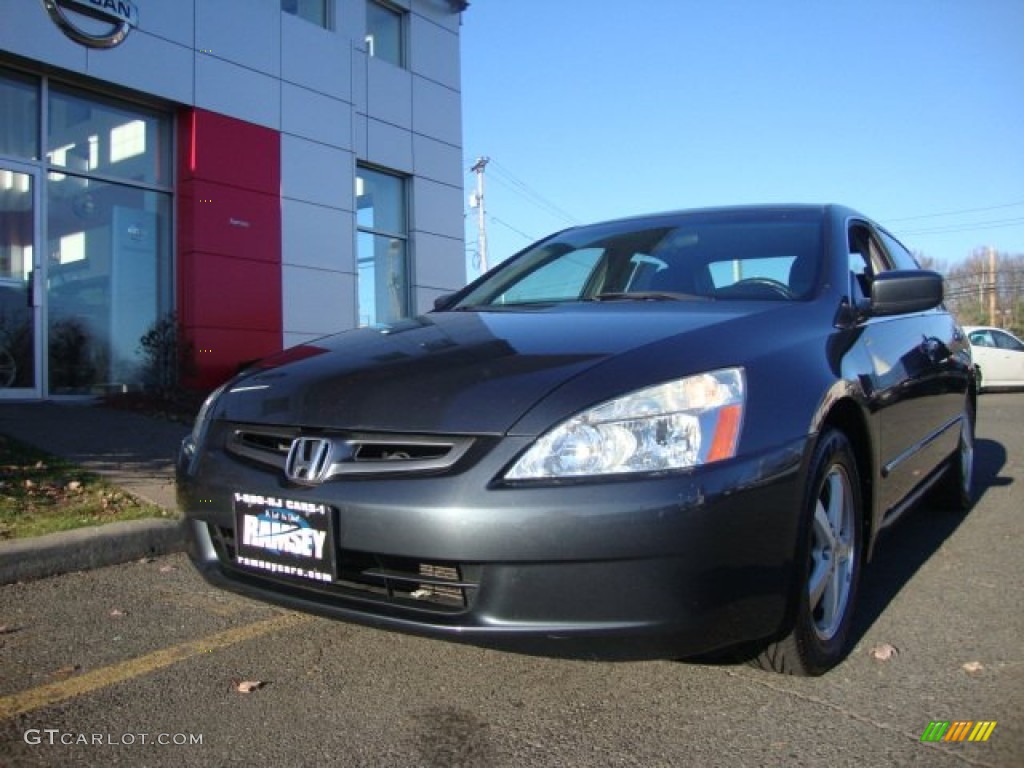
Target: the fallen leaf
pixel 6 629
pixel 248 686
pixel 885 652
pixel 67 671
pixel 168 568
pixel 973 666
pixel 117 612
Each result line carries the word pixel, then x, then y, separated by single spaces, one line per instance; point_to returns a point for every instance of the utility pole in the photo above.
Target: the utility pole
pixel 992 288
pixel 477 201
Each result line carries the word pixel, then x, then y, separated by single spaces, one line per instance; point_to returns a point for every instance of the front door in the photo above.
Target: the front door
pixel 21 284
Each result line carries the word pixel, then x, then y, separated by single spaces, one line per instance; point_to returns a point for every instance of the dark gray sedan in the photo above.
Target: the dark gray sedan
pixel 659 436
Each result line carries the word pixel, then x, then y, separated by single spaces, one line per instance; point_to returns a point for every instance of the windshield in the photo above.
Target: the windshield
pixel 772 256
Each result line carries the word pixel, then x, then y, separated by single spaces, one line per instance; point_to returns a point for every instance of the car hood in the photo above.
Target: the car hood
pixel 451 372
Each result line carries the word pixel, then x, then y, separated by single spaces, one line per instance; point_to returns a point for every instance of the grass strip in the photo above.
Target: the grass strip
pixel 41 493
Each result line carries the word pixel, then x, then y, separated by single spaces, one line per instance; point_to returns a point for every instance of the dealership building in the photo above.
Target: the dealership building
pixel 256 173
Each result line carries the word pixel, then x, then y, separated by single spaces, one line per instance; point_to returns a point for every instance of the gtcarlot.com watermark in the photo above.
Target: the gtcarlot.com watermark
pixel 57 737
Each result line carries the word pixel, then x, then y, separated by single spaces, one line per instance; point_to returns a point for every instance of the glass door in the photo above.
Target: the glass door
pixel 20 283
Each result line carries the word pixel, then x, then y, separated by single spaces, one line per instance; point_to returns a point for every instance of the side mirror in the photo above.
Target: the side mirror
pixel 442 301
pixel 901 291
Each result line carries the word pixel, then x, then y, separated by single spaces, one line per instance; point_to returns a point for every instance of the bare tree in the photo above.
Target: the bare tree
pixel 981 295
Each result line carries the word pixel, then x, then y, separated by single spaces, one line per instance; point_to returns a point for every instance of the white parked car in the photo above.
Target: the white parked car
pixel 998 357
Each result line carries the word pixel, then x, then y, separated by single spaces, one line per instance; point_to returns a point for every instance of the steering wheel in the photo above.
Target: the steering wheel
pixel 756 285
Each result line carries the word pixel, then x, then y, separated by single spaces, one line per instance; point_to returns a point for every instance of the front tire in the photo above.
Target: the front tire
pixel 829 576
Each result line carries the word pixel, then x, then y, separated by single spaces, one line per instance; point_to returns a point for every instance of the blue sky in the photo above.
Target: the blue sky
pixel 911 111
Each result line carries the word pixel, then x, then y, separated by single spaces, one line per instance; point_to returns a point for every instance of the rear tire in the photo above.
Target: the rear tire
pixel 956 489
pixel 832 549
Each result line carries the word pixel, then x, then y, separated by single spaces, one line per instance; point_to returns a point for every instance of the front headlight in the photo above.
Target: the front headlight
pixel 678 424
pixel 202 421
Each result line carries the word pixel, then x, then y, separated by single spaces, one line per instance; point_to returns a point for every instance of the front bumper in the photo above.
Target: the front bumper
pixel 654 567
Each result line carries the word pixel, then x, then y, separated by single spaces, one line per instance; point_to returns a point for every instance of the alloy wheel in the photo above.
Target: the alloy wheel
pixel 967 452
pixel 833 547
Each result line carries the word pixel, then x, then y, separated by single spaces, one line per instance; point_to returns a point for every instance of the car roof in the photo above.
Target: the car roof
pixel 973 328
pixel 823 209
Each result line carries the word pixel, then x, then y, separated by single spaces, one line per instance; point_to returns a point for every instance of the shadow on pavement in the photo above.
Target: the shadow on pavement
pixel 899 554
pixel 912 541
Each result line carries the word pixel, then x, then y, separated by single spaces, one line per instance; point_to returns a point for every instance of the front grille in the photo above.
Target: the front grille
pixel 353 453
pixel 443 587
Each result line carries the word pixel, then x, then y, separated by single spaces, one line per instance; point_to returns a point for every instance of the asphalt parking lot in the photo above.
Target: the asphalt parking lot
pixel 144 664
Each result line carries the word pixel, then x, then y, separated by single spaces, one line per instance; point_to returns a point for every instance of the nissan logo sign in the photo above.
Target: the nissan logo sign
pixel 95 23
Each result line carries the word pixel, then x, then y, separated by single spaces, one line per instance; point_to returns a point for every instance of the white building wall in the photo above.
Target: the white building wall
pixel 334 107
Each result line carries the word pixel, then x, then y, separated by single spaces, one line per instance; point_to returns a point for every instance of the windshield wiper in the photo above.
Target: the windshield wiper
pixel 512 307
pixel 649 296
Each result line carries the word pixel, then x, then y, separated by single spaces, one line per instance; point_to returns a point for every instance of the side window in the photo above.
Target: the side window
pixel 867 258
pixel 1006 341
pixel 901 257
pixel 981 339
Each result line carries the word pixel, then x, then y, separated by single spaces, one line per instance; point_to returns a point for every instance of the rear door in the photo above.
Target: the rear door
pixel 1007 366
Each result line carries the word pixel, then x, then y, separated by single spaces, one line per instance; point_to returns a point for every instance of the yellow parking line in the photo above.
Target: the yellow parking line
pixel 45 695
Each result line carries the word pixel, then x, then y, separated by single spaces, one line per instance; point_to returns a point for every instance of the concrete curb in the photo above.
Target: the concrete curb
pixel 85 548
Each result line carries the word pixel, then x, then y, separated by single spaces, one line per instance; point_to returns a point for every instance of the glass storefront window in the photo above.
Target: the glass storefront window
pixel 85 275
pixel 108 281
pixel 17 273
pixel 19 116
pixel 382 247
pixel 94 136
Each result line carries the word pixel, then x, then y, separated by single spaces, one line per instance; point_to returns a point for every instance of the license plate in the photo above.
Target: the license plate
pixel 286 537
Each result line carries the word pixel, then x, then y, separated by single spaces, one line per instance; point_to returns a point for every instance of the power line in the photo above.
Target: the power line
pixel 981 225
pixel 508 179
pixel 958 213
pixel 505 224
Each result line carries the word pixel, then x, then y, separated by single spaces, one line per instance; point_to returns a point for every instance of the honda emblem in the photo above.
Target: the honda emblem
pixel 308 460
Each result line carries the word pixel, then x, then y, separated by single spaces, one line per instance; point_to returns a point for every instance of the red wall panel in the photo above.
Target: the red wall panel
pixel 231 293
pixel 229 242
pixel 220 352
pixel 229 221
pixel 222 149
